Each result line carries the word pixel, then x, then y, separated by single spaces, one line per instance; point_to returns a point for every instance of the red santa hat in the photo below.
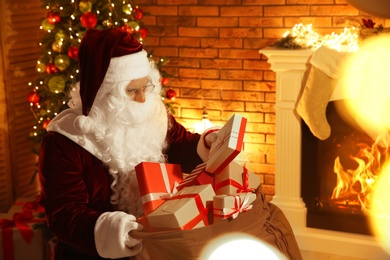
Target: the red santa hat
pixel 110 55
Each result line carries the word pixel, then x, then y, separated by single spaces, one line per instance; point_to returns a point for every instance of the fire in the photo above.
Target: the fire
pixel 354 187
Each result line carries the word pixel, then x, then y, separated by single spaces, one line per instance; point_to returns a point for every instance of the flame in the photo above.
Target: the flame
pixel 358 184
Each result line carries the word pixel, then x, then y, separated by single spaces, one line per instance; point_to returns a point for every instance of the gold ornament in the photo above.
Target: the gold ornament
pixel 62 62
pixel 126 9
pixel 40 67
pixel 57 46
pixel 85 6
pixel 134 25
pixel 42 112
pixel 56 84
pixel 60 35
pixel 47 26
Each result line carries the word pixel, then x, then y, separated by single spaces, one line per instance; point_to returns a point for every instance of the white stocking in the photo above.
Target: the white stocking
pixel 314 100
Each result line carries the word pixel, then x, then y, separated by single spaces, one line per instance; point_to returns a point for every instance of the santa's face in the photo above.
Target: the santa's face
pixel 130 122
pixel 137 89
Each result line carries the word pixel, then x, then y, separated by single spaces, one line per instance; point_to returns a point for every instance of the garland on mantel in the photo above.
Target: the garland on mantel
pixel 304 37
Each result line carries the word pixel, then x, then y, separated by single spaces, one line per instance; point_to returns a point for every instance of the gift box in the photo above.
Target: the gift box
pixel 235 179
pixel 22 232
pixel 187 209
pixel 228 144
pixel 228 206
pixel 222 151
pixel 156 181
pixel 197 176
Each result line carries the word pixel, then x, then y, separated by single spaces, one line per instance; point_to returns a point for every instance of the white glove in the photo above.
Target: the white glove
pixel 206 139
pixel 210 138
pixel 112 235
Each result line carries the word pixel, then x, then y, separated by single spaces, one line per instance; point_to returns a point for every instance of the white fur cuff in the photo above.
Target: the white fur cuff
pixel 112 237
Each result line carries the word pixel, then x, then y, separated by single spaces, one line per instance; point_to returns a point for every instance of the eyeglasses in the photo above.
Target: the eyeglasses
pixel 147 89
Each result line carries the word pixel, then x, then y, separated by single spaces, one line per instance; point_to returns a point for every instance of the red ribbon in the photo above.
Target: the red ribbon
pixel 244 187
pixel 245 182
pixel 203 211
pixel 20 221
pixel 239 206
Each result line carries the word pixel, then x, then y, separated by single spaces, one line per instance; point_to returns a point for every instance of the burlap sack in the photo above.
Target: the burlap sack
pixel 264 221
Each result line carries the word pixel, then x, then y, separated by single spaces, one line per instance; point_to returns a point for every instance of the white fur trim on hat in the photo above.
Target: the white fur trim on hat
pixel 128 67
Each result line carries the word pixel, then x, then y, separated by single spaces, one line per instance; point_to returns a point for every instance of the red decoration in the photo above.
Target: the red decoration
pixel 73 52
pixel 45 123
pixel 170 94
pixel 33 97
pixel 127 28
pixel 53 17
pixel 138 14
pixel 143 32
pixel 88 20
pixel 368 23
pixel 51 68
pixel 164 81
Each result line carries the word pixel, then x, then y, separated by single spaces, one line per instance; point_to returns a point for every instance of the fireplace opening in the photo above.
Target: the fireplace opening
pixel 338 174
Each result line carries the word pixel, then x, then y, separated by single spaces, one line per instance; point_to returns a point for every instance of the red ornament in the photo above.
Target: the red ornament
pixel 73 52
pixel 143 32
pixel 164 81
pixel 138 14
pixel 127 28
pixel 51 68
pixel 53 17
pixel 45 123
pixel 33 97
pixel 88 20
pixel 170 94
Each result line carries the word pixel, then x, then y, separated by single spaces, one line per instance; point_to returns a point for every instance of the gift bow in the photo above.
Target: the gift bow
pixel 240 205
pixel 20 221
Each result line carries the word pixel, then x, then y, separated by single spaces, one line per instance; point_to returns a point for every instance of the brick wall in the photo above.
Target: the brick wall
pixel 213 47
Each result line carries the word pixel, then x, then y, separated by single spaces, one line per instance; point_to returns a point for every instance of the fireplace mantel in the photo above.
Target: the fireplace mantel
pixel 291 67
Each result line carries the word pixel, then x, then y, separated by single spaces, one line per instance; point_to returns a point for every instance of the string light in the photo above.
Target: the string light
pixel 306 37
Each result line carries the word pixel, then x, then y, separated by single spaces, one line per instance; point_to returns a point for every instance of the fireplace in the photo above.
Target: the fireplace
pixel 291 68
pixel 338 173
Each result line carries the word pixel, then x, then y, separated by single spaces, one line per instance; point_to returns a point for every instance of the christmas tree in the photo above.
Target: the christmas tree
pixel 57 67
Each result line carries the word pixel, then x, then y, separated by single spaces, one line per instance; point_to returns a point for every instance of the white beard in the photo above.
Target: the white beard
pixel 128 133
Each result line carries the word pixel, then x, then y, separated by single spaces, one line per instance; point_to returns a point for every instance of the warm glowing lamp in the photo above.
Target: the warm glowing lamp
pixel 204 124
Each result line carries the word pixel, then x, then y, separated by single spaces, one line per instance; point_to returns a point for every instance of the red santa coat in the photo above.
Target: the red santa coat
pixel 76 187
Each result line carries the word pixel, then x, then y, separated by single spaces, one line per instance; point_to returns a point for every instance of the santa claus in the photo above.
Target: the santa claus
pixel 86 166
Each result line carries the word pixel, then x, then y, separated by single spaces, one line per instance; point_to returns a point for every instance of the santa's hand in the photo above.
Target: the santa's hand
pixel 112 235
pixel 210 137
pixel 205 142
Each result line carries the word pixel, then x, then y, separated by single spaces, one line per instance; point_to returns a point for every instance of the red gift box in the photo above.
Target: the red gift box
pixel 187 209
pixel 228 145
pixel 156 181
pixel 235 179
pixel 20 239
